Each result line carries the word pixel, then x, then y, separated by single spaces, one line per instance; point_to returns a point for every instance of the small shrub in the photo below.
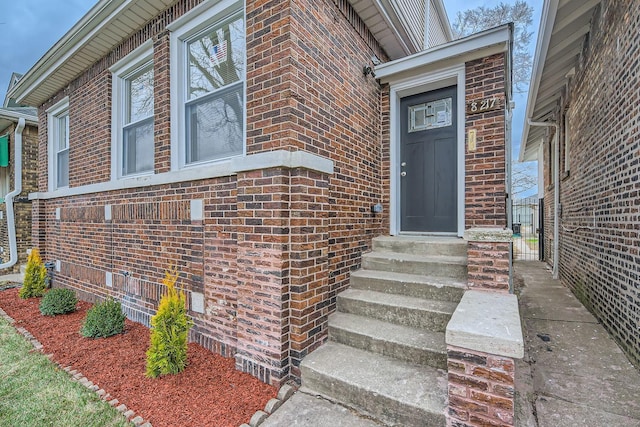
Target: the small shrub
pixel 34 278
pixel 58 301
pixel 169 328
pixel 103 320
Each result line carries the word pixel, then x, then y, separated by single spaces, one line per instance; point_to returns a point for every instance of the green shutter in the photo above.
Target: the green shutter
pixel 4 151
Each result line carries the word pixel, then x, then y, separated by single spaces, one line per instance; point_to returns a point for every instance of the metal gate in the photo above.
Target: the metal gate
pixel 527 228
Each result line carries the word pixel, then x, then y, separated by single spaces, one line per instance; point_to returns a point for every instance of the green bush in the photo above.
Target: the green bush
pixel 33 284
pixel 103 320
pixel 169 328
pixel 58 301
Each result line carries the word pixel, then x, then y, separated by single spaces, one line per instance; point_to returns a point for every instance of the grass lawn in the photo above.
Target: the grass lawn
pixel 34 392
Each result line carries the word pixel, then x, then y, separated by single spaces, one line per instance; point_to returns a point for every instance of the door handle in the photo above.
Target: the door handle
pixel 403 173
pixel 403 164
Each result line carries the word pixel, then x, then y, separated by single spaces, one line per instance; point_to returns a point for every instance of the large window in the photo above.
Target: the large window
pixel 208 63
pixel 58 142
pixel 132 130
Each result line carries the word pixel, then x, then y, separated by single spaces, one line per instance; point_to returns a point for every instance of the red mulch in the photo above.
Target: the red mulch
pixel 209 392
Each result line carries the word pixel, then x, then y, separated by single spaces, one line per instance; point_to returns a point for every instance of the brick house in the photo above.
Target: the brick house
pixel 18 234
pixel 264 148
pixel 584 134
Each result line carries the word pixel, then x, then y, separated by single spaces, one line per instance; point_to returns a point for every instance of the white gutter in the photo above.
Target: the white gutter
pixel 11 222
pixel 556 191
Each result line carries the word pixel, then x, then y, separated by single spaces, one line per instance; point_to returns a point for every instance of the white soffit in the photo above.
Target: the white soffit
pixel 475 46
pixel 102 29
pixel 383 22
pixel 563 27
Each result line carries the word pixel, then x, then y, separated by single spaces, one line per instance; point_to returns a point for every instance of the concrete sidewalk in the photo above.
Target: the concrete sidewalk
pixel 573 373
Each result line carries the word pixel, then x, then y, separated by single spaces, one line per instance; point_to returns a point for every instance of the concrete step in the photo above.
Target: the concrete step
pixel 395 392
pixel 421 245
pixel 454 267
pixel 401 342
pixel 427 287
pixel 432 315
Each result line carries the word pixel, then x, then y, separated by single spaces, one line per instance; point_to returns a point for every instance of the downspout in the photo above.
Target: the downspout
pixel 11 222
pixel 556 192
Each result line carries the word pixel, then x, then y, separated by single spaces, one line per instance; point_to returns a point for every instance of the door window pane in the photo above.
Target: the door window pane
pixel 430 115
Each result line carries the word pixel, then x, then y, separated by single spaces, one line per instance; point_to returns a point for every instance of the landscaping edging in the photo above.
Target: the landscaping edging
pixel 76 376
pixel 285 392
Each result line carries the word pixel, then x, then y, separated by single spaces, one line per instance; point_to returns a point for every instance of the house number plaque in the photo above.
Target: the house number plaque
pixel 483 105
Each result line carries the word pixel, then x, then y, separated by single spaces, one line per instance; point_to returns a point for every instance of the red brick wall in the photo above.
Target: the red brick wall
pixel 275 245
pixel 599 240
pixel 488 265
pixel 485 179
pixel 481 389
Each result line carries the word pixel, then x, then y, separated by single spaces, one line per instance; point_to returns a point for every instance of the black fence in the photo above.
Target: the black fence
pixel 526 217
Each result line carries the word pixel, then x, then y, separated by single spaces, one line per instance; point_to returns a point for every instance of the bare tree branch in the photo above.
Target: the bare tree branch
pixel 482 18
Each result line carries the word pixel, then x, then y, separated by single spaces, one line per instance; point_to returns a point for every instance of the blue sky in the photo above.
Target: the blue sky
pixel 30 27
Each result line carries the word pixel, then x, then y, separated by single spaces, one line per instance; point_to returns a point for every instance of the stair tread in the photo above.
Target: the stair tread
pixel 391 332
pixel 401 256
pixel 418 386
pixel 451 240
pixel 396 300
pixel 437 281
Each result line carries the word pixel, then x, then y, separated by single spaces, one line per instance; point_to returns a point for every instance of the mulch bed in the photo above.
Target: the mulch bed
pixel 209 392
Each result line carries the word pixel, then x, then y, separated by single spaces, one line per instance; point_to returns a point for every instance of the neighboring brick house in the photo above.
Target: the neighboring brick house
pixel 10 114
pixel 585 90
pixel 251 145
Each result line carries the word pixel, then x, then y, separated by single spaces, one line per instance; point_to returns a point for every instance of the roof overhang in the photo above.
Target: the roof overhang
pixel 110 22
pixel 9 117
pixel 104 27
pixel 475 46
pixel 388 25
pixel 563 27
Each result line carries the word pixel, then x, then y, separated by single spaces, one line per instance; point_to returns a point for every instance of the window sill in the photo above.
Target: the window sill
pixel 265 160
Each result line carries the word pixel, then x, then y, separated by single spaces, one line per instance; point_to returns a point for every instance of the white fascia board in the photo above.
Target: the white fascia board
pixel 442 12
pixel 476 44
pixel 101 16
pixel 98 17
pixel 549 11
pixel 14 116
pixel 401 36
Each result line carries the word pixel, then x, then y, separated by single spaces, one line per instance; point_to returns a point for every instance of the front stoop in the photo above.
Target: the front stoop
pixel 387 355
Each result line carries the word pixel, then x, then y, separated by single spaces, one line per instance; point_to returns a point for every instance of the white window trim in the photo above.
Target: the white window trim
pixel 183 28
pixel 142 56
pixel 53 112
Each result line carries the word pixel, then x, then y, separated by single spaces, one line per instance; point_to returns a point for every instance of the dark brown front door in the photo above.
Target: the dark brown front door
pixel 428 166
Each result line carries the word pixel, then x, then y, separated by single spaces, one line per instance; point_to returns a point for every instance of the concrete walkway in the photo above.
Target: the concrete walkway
pixel 12 278
pixel 573 373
